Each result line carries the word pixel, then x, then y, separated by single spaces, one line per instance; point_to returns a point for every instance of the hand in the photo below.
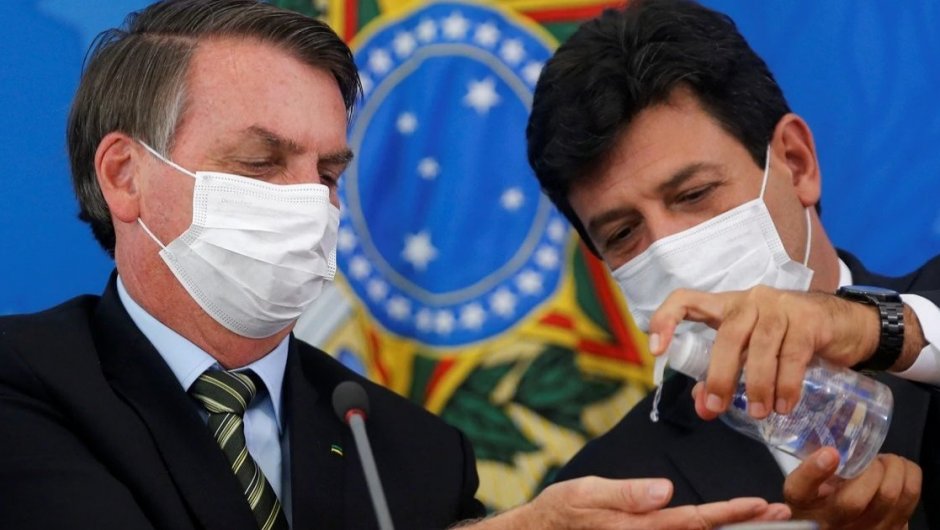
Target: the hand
pixel 881 498
pixel 598 503
pixel 776 332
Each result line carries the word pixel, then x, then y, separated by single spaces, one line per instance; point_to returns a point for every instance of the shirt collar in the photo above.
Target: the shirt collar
pixel 845 274
pixel 188 361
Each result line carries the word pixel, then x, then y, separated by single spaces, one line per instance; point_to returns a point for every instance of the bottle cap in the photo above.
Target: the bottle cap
pixel 689 354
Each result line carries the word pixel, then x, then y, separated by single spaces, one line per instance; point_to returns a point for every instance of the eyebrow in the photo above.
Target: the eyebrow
pixel 276 141
pixel 680 177
pixel 342 157
pixel 676 180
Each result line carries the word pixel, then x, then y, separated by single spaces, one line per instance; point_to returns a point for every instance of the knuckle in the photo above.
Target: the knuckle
pixel 721 384
pixel 849 510
pixel 790 388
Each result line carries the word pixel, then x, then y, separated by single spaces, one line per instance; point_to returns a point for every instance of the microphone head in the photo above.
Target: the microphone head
pixel 349 395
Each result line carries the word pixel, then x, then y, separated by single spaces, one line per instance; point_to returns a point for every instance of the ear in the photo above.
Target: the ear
pixel 117 164
pixel 793 141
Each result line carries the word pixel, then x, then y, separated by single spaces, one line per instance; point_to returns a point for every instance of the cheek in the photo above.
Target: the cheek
pixel 171 204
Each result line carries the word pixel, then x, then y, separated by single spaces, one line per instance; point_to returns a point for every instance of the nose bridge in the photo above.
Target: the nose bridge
pixel 661 222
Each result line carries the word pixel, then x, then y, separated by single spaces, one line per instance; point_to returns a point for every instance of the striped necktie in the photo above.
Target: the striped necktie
pixel 226 395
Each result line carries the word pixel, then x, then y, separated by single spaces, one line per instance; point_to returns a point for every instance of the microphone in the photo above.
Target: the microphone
pixel 351 404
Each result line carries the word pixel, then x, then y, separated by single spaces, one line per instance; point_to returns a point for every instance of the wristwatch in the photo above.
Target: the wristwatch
pixel 891 309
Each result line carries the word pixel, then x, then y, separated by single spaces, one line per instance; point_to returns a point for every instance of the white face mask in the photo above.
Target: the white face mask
pixel 257 254
pixel 736 250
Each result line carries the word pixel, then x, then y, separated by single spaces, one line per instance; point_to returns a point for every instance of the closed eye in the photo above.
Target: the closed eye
pixel 695 194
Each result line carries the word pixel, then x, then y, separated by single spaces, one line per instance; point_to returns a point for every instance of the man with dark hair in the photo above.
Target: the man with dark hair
pixel 670 147
pixel 206 140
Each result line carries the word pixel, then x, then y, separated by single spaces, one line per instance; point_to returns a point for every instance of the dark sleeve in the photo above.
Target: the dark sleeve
pixel 926 281
pixel 470 507
pixel 49 477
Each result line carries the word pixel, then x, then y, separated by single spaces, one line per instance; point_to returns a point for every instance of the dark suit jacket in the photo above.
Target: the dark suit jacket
pixel 97 433
pixel 708 461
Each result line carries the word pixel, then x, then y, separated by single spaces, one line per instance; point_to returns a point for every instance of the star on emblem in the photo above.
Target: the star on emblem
pixel 557 230
pixel 486 35
pixel 546 257
pixel 512 199
pixel 419 251
pixel 406 123
pixel 512 51
pixel 529 282
pixel 346 240
pixel 377 289
pixel 444 322
pixel 423 320
pixel 532 71
pixel 503 302
pixel 359 268
pixel 426 30
pixel 455 26
pixel 380 61
pixel 404 44
pixel 472 316
pixel 481 95
pixel 428 168
pixel 398 308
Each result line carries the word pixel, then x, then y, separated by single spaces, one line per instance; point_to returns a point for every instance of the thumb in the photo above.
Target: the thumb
pixel 802 485
pixel 639 495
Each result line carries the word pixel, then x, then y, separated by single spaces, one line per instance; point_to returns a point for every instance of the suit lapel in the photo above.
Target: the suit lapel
pixel 140 376
pixel 707 451
pixel 317 470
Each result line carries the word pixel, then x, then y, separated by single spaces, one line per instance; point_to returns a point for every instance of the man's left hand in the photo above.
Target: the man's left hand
pixel 776 333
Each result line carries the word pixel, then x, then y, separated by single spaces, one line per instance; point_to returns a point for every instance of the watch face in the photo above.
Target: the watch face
pixel 879 293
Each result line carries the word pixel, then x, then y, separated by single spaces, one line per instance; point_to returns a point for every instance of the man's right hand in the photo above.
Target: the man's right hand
pixel 598 503
pixel 883 497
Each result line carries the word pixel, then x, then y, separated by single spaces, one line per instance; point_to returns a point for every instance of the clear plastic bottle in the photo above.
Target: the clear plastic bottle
pixel 838 408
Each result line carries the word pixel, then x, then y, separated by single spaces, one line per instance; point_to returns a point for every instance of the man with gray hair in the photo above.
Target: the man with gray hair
pixel 206 140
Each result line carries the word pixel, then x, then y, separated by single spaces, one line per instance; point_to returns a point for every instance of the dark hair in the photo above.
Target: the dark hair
pixel 135 79
pixel 626 60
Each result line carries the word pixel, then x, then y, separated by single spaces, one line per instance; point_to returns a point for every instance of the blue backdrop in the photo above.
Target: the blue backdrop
pixel 865 75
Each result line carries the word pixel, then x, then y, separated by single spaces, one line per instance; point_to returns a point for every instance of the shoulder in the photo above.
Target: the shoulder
pixel 47 338
pixel 924 278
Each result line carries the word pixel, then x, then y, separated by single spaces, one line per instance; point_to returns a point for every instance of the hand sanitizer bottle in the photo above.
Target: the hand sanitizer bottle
pixel 838 408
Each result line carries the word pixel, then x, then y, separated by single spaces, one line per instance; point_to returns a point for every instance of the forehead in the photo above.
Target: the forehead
pixel 659 142
pixel 238 83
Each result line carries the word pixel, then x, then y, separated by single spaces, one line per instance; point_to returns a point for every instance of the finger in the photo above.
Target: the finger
pixel 854 496
pixel 801 488
pixel 884 504
pixel 910 494
pixel 704 516
pixel 727 353
pixel 775 512
pixel 686 304
pixel 698 394
pixel 761 366
pixel 795 353
pixel 630 495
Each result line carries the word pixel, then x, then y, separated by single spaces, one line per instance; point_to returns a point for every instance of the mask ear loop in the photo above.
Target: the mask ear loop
pixel 763 186
pixel 809 238
pixel 166 161
pixel 175 166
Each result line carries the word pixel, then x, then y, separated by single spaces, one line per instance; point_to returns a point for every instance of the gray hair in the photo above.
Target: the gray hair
pixel 135 79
